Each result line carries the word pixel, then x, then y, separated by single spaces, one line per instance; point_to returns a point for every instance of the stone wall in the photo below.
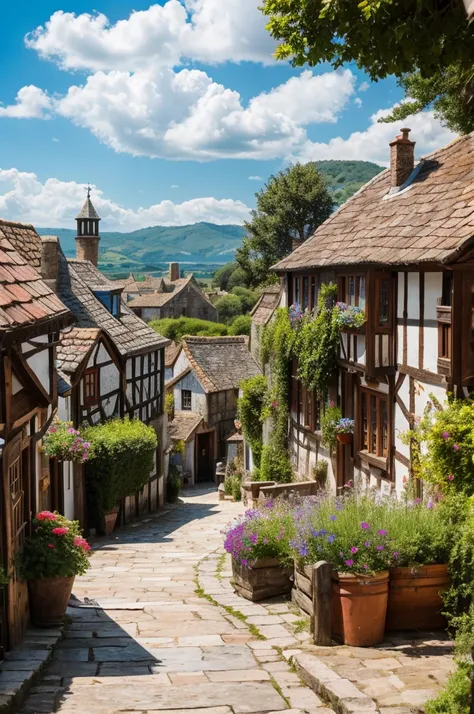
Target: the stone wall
pixel 189 302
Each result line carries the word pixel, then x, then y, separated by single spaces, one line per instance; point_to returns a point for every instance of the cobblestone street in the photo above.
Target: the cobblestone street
pixel 152 644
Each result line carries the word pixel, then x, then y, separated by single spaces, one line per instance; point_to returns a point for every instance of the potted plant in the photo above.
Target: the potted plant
pixel 350 318
pixel 53 555
pixel 351 534
pixel 64 443
pixel 419 574
pixel 344 430
pixel 261 556
pixel 330 419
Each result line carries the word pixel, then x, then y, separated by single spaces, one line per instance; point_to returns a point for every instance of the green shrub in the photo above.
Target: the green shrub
pixel 320 472
pixel 456 697
pixel 229 307
pixel 275 465
pixel 176 329
pixel 169 403
pixel 173 485
pixel 123 457
pixel 250 413
pixel 232 486
pixel 242 325
pixel 56 549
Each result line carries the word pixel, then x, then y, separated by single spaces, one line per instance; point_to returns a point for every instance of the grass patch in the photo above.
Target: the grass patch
pixel 277 688
pixel 220 566
pixel 302 625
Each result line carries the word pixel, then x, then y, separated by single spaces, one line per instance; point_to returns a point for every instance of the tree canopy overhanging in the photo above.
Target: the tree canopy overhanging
pixel 382 37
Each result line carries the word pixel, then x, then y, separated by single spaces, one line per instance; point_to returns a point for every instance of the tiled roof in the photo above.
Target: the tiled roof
pixel 74 346
pixel 24 298
pixel 266 305
pixel 88 211
pixel 236 438
pixel 130 334
pixel 220 363
pixel 171 353
pixel 183 425
pixel 157 299
pixel 432 220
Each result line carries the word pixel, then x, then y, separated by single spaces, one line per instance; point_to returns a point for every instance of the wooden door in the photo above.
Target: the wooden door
pixel 17 517
pixel 204 457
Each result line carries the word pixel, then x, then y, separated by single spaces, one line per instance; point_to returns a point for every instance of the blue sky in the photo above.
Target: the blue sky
pixel 168 110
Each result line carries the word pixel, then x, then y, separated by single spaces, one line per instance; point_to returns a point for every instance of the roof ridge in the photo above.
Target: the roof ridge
pixel 214 338
pixel 19 224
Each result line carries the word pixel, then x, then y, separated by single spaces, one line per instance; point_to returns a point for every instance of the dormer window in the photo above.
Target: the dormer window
pixel 110 299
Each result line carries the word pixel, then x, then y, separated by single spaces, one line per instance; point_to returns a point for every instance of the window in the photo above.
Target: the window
pixel 296 291
pixel 186 400
pixel 374 423
pixel 444 340
pixel 91 387
pixel 110 300
pixel 352 290
pixel 314 292
pixel 305 293
pixel 383 301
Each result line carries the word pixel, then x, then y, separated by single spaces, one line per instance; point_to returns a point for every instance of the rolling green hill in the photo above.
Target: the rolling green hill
pixel 201 247
pixel 346 177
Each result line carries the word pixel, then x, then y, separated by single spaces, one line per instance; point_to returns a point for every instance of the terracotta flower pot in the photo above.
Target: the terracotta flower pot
pixel 359 608
pixel 414 598
pixel 344 438
pixel 265 578
pixel 110 521
pixel 49 598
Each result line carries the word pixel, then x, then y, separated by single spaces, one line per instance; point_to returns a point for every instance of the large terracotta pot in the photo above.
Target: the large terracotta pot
pixel 110 521
pixel 344 438
pixel 359 608
pixel 264 578
pixel 414 598
pixel 49 598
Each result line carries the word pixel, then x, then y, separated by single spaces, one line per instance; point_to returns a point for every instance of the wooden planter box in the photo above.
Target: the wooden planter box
pixel 302 593
pixel 264 579
pixel 251 490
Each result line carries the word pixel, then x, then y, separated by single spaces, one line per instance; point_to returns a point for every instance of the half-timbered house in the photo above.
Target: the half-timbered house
pixel 401 249
pixel 31 317
pixel 111 363
pixel 207 373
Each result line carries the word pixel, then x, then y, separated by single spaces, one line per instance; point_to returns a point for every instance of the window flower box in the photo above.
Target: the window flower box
pixel 351 318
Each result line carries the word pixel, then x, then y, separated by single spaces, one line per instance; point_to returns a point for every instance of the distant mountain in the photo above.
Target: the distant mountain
pixel 346 177
pixel 201 247
pixel 152 248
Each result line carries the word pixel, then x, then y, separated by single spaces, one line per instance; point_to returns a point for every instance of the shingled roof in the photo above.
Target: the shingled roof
pixel 77 280
pixel 266 305
pixel 220 363
pixel 429 220
pixel 74 346
pixel 88 210
pixel 171 290
pixel 171 353
pixel 184 425
pixel 25 299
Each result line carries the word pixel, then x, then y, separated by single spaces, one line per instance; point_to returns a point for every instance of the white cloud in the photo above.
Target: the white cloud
pixel 255 178
pixel 174 185
pixel 186 115
pixel 363 87
pixel 162 36
pixel 55 203
pixel 373 143
pixel 54 139
pixel 31 103
pixel 358 102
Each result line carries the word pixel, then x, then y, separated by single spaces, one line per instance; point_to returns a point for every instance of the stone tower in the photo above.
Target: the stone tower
pixel 87 238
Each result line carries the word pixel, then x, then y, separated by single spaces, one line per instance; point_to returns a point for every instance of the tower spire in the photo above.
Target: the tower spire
pixel 87 239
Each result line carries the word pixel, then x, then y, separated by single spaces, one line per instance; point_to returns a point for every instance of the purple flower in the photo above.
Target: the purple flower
pixel 430 504
pixel 365 526
pixel 349 563
pixel 456 447
pixel 367 543
pixel 269 504
pixel 445 434
pixel 380 547
pixel 303 550
pixel 265 540
pixel 332 518
pixel 253 538
pixel 417 501
pixel 365 566
pixel 396 554
pixel 244 561
pixel 354 549
pixel 331 538
pixel 381 532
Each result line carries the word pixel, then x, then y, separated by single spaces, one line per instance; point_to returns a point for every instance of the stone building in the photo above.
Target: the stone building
pixel 157 298
pixel 205 384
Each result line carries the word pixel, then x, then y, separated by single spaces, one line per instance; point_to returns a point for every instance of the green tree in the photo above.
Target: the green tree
pixel 175 329
pixel 248 298
pixel 221 276
pixel 381 36
pixel 242 325
pixel 239 278
pixel 290 207
pixel 448 91
pixel 229 307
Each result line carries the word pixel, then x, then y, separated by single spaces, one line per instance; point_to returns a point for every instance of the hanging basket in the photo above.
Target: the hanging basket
pixel 344 438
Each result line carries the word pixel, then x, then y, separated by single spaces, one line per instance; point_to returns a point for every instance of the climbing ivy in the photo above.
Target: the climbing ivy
pixel 250 412
pixel 317 343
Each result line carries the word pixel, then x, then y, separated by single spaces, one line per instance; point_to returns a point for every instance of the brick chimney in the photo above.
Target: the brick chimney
pixel 50 260
pixel 174 272
pixel 402 158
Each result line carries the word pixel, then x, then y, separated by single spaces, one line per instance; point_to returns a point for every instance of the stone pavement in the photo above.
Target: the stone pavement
pixel 153 639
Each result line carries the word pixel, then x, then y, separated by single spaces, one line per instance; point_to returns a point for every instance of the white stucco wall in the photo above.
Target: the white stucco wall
pixel 198 396
pixel 39 363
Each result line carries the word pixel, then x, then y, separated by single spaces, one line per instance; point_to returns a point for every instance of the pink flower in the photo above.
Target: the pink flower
pixel 396 554
pixel 404 480
pixel 365 526
pixel 60 531
pixel 52 430
pixel 50 545
pixel 451 477
pixel 331 404
pixel 380 547
pixel 349 563
pixel 46 516
pixel 365 566
pixel 381 532
pixel 456 447
pixel 354 549
pixel 445 434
